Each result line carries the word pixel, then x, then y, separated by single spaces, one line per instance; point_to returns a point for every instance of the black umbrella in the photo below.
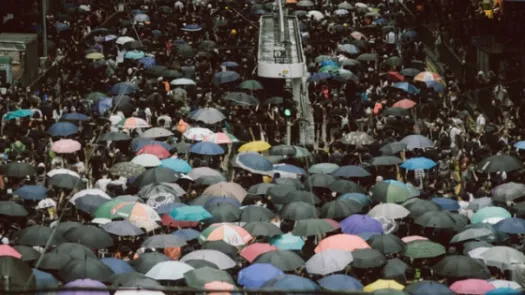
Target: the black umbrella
pixel 262 228
pixel 171 74
pixel 155 70
pixel 393 148
pixel 312 227
pixel 66 181
pixel 350 171
pixel 90 236
pixel 38 235
pixel 298 211
pixel 338 209
pixel 207 45
pixel 500 163
pixel 418 207
pixel 343 186
pixel 241 98
pixel 395 269
pixel 460 266
pixel 282 259
pixel 223 247
pixel 115 136
pixel 122 228
pixel 282 150
pixel 77 251
pixel 18 273
pixel 255 213
pixel 368 258
pixel 87 268
pixel 148 260
pixel 469 246
pixel 223 212
pixel 123 278
pixel 155 175
pixel 199 263
pixel 280 190
pixel 28 253
pixel 90 204
pixel 164 241
pixel 298 196
pixel 396 112
pixel 319 180
pixel 9 208
pixel 143 283
pixel 53 260
pixel 436 219
pixel 385 161
pixel 387 244
pixel 62 227
pixel 259 189
pixel 18 169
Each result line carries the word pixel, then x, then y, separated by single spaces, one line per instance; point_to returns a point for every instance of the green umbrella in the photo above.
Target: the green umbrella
pixel 207 45
pixel 155 70
pixel 255 213
pixel 490 212
pixel 104 211
pixel 319 181
pixel 284 260
pixel 387 243
pixel 436 219
pixel 280 191
pixel 301 152
pixel 262 228
pixel 199 263
pixel 343 186
pixel 54 260
pixel 241 98
pixel 312 227
pixel 329 68
pixel 197 278
pixel 323 168
pixel 338 209
pixel 28 253
pixel 298 196
pixel 392 192
pixel 223 247
pixel 223 212
pixel 298 211
pixel 94 96
pixel 260 189
pixel 395 269
pixel 322 58
pixel 185 50
pixel 18 273
pixel 461 266
pixel 424 249
pixel 419 207
pixel 251 85
pixel 282 150
pixel 38 235
pixel 9 208
pixel 385 161
pixel 147 261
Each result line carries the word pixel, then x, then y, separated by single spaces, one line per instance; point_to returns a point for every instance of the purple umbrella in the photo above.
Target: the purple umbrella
pixel 84 283
pixel 357 224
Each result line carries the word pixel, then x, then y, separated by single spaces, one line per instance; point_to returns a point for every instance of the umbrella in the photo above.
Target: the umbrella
pixel 298 211
pixel 147 261
pixel 340 282
pixel 66 181
pixel 255 213
pixel 231 234
pixel 10 208
pixel 118 266
pixel 489 212
pixel 508 191
pixel 417 142
pixel 122 228
pixel 418 163
pixel 38 235
pixel 218 258
pixel 387 244
pixel 471 286
pixel 208 115
pixel 505 284
pixel 254 146
pixel 428 288
pixel 90 204
pixel 156 132
pixel 254 250
pixel 329 261
pixel 368 258
pixel 169 270
pixel 343 242
pixel 460 266
pixel 53 260
pixel 225 77
pixel 223 212
pixel 446 203
pixel 385 161
pixel 257 274
pixel 221 138
pixel 31 192
pixel 340 208
pixel 19 273
pixel 223 247
pixel 6 250
pixel 155 175
pixel 439 219
pixel 241 98
pixel 424 249
pixel 500 163
pixel 226 189
pixel 357 197
pixel 392 191
pixel 472 234
pixel 251 85
pixel 145 160
pixel 324 181
pixel 197 278
pixel 197 133
pixel 87 268
pixel 406 87
pixel 291 282
pixel 182 82
pixel 206 148
pixel 282 259
pixel 357 139
pixel 511 226
pixel 358 223
pixel 114 136
pixel 427 77
pixel 418 206
pixel 90 236
pixel 287 241
pixel 18 114
pixel 502 257
pixel 351 171
pixel 389 211
pixel 254 163
pixel 262 228
pixel 66 146
pixel 44 280
pixel 18 169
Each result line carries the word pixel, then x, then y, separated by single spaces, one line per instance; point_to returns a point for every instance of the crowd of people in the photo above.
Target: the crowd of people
pixel 155 158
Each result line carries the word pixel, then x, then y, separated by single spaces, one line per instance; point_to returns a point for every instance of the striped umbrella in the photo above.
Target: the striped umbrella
pixel 133 123
pixel 221 138
pixel 229 233
pixel 427 77
pixel 139 214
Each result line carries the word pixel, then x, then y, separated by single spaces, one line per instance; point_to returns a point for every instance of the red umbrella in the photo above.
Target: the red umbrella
pixel 252 251
pixel 155 150
pixel 396 77
pixel 167 220
pixel 404 104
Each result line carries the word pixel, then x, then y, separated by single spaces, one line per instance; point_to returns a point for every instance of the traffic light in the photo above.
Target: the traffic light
pixel 288 108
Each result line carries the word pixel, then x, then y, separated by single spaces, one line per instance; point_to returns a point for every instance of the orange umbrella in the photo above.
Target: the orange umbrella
pixel 404 104
pixel 252 251
pixel 223 288
pixel 413 238
pixel 343 242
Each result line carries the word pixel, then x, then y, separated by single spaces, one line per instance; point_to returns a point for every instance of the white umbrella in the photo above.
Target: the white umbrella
pixel 46 203
pixel 328 261
pixel 156 132
pixel 197 133
pixel 505 284
pixel 62 171
pixel 146 160
pixel 218 258
pixel 389 211
pixel 502 257
pixel 100 221
pixel 123 40
pixel 316 14
pixel 94 192
pixel 169 270
pixel 182 82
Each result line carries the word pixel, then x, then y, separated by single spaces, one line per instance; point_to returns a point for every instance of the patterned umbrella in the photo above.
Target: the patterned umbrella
pixel 139 214
pixel 357 139
pixel 221 138
pixel 133 123
pixel 231 234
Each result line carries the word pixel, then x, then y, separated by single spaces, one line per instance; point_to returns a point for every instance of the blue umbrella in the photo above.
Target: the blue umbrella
pixel 225 77
pixel 31 192
pixel 257 274
pixel 291 282
pixel 217 200
pixel 429 288
pixel 360 198
pixel 134 54
pixel 328 63
pixel 167 208
pixel 187 234
pixel 62 129
pixel 190 213
pixel 18 114
pixel 438 87
pixel 142 142
pixel 192 28
pixel 230 64
pixel 407 87
pixel 409 35
pixel 351 171
pixel 103 105
pixel 147 61
pixel 289 169
pixel 511 226
pixel 136 11
pixel 340 283
pixel 446 203
pixel 44 280
pixel 177 165
pixel 118 266
pixel 503 291
pixel 123 88
pixel 359 223
pixel 520 145
pixel 418 163
pixel 110 37
pixel 319 77
pixel 287 241
pixel 75 117
pixel 206 148
pixel 61 27
pixel 254 163
pixel 349 48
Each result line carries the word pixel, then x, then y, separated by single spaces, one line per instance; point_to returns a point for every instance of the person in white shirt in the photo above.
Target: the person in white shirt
pixel 453 133
pixel 480 123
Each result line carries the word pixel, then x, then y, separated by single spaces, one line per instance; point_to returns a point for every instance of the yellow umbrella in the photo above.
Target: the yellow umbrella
pixel 255 146
pixel 383 284
pixel 95 55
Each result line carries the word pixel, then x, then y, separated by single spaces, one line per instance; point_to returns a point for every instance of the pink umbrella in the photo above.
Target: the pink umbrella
pixel 223 288
pixel 404 104
pixel 472 286
pixel 413 238
pixel 6 250
pixel 66 146
pixel 252 251
pixel 155 150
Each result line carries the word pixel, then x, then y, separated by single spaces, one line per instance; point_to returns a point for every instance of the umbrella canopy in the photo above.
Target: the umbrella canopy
pixel 343 242
pixel 231 234
pixel 254 163
pixel 424 249
pixel 329 261
pixel 257 274
pixel 169 270
pixel 460 266
pixel 488 213
pixel 389 211
pixel 282 259
pixel 417 142
pixel 392 191
pixel 500 163
pixel 87 268
pixel 387 243
pixel 471 286
pixel 428 287
pixel 197 278
pixel 208 115
pixel 221 260
pixel 339 282
pixel 19 273
pixel 89 235
pixel 368 258
pixel 358 223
